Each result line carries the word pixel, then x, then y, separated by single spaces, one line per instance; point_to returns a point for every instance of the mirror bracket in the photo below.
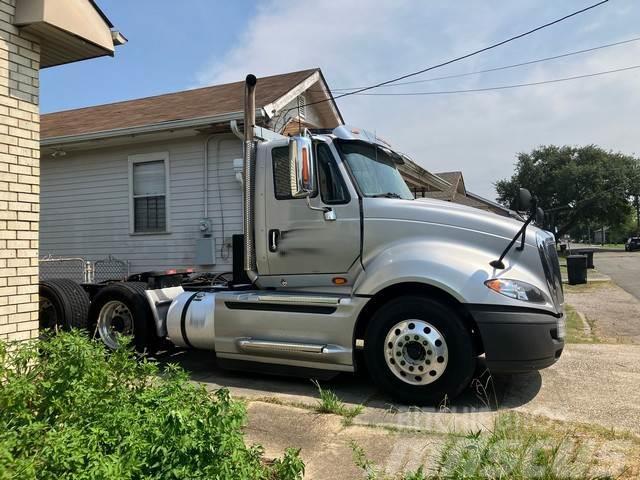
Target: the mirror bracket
pixel 329 213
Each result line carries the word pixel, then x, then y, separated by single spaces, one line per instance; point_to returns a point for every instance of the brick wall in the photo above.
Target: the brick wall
pixel 19 179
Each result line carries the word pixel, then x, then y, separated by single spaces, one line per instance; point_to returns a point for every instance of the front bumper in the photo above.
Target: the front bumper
pixel 518 339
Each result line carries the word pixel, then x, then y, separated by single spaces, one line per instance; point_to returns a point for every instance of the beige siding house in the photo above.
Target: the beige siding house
pixel 155 181
pixel 34 34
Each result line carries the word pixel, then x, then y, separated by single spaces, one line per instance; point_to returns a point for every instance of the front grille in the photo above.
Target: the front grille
pixel 551 267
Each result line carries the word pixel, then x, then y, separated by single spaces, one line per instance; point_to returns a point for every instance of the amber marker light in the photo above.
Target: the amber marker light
pixel 339 280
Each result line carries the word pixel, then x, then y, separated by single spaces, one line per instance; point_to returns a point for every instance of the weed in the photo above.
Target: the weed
pixel 511 450
pixel 329 402
pixel 70 409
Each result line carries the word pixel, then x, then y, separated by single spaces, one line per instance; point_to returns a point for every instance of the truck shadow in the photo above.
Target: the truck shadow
pixel 486 393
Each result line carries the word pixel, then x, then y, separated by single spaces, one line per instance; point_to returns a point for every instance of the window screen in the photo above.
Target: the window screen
pixel 149 197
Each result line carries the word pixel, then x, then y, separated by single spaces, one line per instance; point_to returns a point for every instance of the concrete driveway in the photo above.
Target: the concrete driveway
pixel 622 267
pixel 596 385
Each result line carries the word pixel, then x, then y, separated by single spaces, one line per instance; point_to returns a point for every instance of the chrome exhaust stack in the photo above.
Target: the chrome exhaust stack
pixel 248 176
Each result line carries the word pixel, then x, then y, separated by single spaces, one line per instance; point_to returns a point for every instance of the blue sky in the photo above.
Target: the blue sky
pixel 168 44
pixel 179 45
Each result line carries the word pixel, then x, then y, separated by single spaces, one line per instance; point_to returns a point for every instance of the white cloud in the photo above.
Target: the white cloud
pixel 359 42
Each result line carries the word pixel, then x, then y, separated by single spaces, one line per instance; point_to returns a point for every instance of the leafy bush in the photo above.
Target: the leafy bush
pixel 69 409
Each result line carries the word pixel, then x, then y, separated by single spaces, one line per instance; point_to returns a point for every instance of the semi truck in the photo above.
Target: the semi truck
pixel 340 269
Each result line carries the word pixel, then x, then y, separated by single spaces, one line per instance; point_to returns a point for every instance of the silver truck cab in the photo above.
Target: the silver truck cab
pixel 344 268
pixel 357 270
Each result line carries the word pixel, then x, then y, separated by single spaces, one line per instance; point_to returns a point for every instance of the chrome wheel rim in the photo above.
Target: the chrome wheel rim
pixel 416 352
pixel 114 320
pixel 47 314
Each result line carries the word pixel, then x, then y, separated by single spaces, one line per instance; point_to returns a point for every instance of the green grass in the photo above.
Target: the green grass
pixel 576 329
pixel 515 449
pixel 329 402
pixel 613 245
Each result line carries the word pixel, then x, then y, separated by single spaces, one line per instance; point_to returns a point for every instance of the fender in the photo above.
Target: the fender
pixel 460 269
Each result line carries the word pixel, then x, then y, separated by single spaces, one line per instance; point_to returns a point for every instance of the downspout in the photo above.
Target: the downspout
pixel 249 168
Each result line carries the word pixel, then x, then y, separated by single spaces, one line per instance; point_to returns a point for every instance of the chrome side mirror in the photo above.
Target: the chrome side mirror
pixel 301 166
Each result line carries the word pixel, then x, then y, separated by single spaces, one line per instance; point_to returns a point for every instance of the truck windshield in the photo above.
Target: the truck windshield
pixel 374 170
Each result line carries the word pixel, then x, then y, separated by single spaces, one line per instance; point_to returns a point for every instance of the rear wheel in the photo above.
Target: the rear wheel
pixel 419 351
pixel 121 309
pixel 63 304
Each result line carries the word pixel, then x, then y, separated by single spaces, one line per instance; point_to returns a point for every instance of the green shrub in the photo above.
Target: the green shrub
pixel 71 410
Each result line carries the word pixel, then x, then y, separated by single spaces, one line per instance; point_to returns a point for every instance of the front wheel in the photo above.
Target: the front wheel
pixel 419 351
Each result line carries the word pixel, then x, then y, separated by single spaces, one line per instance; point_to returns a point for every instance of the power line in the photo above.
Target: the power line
pixel 499 87
pixel 505 67
pixel 457 59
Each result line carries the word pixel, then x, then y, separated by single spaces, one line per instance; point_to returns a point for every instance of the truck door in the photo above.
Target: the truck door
pixel 300 240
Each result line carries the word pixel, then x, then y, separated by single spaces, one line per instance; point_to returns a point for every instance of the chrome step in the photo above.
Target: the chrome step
pixel 264 346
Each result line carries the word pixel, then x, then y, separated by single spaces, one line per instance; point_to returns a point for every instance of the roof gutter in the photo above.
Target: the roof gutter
pixel 145 129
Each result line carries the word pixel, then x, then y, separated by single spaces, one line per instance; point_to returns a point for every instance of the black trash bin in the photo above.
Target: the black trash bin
pixel 587 253
pixel 577 269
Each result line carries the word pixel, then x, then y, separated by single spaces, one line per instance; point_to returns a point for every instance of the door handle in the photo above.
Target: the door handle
pixel 274 237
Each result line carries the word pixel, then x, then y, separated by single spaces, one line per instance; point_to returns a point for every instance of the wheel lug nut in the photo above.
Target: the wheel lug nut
pixel 421 368
pixel 406 337
pixel 402 362
pixel 416 337
pixel 411 369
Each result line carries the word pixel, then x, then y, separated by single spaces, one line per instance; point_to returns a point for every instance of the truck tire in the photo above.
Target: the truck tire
pixel 419 351
pixel 122 309
pixel 63 305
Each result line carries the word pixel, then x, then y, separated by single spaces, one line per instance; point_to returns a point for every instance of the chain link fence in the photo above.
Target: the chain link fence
pixel 83 271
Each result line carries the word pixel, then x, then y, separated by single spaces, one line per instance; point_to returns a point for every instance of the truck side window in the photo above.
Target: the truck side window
pixel 332 188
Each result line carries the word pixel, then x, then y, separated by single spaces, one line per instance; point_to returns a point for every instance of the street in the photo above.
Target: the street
pixel 622 267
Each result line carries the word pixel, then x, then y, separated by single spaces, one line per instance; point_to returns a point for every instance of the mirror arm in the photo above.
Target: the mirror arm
pixel 318 209
pixel 523 235
pixel 522 232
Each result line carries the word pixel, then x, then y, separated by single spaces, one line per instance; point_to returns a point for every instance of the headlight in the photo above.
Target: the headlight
pixel 517 289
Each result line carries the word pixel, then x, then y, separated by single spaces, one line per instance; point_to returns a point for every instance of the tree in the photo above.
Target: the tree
pixel 576 186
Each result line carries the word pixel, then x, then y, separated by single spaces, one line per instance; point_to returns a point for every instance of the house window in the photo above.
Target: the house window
pixel 149 187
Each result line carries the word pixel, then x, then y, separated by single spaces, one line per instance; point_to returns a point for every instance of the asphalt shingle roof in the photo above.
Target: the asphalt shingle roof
pixel 196 103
